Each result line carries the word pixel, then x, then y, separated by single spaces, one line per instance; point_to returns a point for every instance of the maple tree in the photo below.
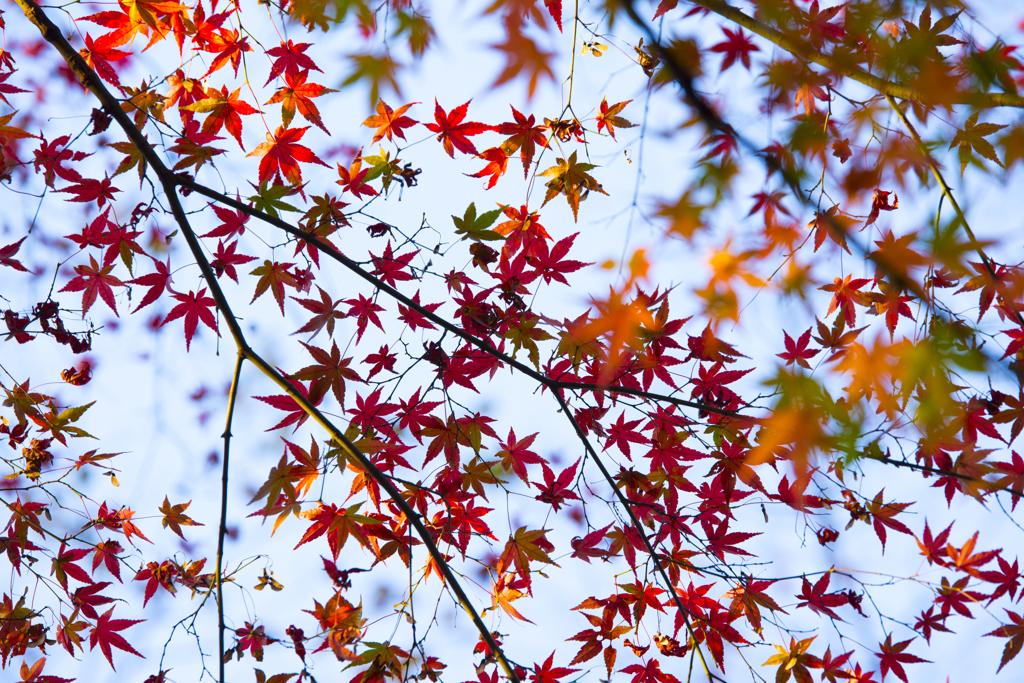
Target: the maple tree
pixel 794 455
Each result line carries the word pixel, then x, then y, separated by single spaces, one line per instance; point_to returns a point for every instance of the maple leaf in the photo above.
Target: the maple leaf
pixel 281 152
pixel 794 661
pixel 737 45
pixel 990 280
pixel 522 548
pixel 225 260
pixel 377 68
pixel 497 164
pixel 229 45
pixel 338 524
pixel 749 597
pixel 556 489
pixel 157 283
pixel 174 517
pixel 194 308
pixel 224 110
pixel 649 673
pixel 893 658
pixel 193 148
pixel 296 415
pixel 845 295
pixel 608 117
pixel 355 177
pixel 819 27
pixel 105 634
pixel 523 54
pixel 94 281
pixel 505 591
pixel 275 276
pixel 818 600
pixel 453 131
pixel 290 59
pixel 525 134
pixel 594 639
pixel 880 202
pixel 365 309
pixel 389 122
pixel 570 177
pixel 390 268
pixel 297 95
pixel 515 456
pixel 586 547
pixel 63 565
pixel 1015 632
pixel 798 352
pixel 324 314
pixel 547 672
pixel 91 190
pixel 972 138
pixel 7 256
pixel 7 89
pixel 882 515
pixel 329 373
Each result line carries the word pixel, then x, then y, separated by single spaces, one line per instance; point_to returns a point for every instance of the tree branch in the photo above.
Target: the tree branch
pixel 223 528
pixel 844 68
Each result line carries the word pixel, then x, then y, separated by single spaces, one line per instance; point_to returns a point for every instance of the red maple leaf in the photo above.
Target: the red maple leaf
pixel 324 314
pixel 1015 632
pixel 737 45
pixel 390 268
pixel 820 30
pixel 223 109
pixel 91 190
pixel 194 307
pixel 229 46
pixel 413 318
pixel 515 455
pixel 290 59
pixel 497 164
pixel 225 260
pixel 649 673
pixel 798 352
pixel 7 256
pixel 353 178
pixel 281 153
pixel 551 264
pixel 845 295
pixel 556 490
pixel 157 283
pixel 893 656
pixel 525 136
pixel 586 547
pixel 389 122
pixel 93 281
pixel 453 132
pixel 105 634
pixel 297 94
pixel 296 415
pixel 818 600
pixel 547 673
pixel 365 309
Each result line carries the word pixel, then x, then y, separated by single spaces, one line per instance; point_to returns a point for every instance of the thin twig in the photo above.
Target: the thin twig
pixel 223 529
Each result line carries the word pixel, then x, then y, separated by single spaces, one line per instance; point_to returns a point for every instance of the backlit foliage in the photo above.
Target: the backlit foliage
pixel 766 413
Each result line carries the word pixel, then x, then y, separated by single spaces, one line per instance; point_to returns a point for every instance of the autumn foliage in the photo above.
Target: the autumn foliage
pixel 728 379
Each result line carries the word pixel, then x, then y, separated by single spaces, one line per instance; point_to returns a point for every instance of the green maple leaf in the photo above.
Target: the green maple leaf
pixel 268 199
pixel 570 177
pixel 475 227
pixel 972 137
